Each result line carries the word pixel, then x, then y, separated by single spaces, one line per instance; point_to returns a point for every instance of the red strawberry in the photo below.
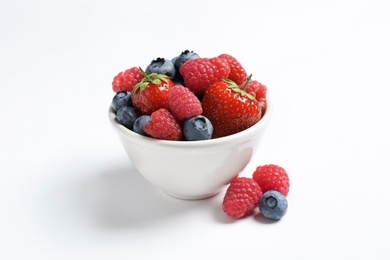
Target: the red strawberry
pixel 163 126
pixel 229 108
pixel 237 71
pixel 183 104
pixel 151 93
pixel 241 197
pixel 200 73
pixel 126 80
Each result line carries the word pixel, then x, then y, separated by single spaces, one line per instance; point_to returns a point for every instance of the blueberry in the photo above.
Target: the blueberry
pixel 183 57
pixel 273 205
pixel 161 66
pixel 126 116
pixel 121 99
pixel 178 79
pixel 197 128
pixel 174 59
pixel 139 124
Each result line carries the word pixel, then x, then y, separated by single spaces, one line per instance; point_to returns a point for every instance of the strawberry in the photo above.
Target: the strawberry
pixel 229 108
pixel 151 93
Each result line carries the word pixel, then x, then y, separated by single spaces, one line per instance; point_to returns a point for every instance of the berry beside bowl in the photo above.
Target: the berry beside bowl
pixel 192 170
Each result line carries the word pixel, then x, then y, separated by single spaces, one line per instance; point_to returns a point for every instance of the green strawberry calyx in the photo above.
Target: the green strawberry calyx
pixel 153 78
pixel 235 88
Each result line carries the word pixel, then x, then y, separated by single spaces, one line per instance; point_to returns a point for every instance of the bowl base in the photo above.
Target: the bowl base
pixel 190 197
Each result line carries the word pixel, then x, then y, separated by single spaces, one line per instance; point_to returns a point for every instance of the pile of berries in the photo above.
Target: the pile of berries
pixel 267 190
pixel 188 98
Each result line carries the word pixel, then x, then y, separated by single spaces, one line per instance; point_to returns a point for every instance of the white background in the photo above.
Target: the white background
pixel 68 191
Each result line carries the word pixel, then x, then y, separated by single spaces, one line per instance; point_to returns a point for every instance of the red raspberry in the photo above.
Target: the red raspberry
pixel 183 103
pixel 126 80
pixel 272 177
pixel 163 126
pixel 237 71
pixel 200 73
pixel 242 197
pixel 258 91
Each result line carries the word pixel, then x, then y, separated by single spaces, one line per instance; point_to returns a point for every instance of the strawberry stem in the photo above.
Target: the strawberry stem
pixel 247 81
pixel 144 73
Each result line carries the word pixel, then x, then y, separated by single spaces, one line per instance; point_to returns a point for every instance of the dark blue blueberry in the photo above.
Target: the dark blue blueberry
pixel 161 66
pixel 121 99
pixel 139 124
pixel 174 60
pixel 178 79
pixel 183 57
pixel 197 128
pixel 126 116
pixel 273 205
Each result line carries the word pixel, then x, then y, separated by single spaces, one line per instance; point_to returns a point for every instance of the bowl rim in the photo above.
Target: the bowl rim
pixel 229 140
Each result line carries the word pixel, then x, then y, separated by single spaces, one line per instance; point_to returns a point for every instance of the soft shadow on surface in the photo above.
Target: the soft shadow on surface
pixel 121 197
pixel 109 195
pixel 260 218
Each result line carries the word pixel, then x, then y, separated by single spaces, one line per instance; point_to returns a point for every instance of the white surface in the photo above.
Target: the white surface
pixel 68 191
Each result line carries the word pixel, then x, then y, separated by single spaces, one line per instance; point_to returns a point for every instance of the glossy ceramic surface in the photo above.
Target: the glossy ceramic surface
pixel 192 169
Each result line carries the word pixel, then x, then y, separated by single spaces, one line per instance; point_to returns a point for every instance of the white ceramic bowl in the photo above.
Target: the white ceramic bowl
pixel 192 169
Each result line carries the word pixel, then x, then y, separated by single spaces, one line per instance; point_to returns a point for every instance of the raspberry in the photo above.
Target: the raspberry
pixel 258 91
pixel 242 197
pixel 163 126
pixel 183 103
pixel 272 177
pixel 237 71
pixel 126 80
pixel 200 73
